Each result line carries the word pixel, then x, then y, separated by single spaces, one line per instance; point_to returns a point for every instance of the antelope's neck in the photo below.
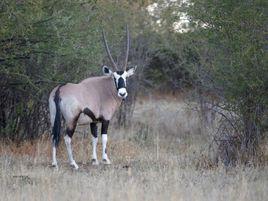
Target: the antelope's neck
pixel 104 87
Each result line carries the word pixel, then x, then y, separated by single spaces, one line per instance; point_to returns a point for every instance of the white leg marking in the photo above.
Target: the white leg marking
pixel 94 153
pixel 105 158
pixel 54 159
pixel 69 150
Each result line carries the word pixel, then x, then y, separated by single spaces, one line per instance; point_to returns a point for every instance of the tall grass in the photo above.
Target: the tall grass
pixel 162 156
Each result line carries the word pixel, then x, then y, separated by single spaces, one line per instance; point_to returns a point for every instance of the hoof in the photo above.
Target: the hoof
pixel 94 162
pixel 74 165
pixel 106 161
pixel 55 166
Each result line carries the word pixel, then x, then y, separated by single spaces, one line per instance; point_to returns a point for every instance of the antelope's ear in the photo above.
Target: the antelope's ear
pixel 131 71
pixel 106 71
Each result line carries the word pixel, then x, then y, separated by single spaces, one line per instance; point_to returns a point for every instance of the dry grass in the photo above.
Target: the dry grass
pixel 163 156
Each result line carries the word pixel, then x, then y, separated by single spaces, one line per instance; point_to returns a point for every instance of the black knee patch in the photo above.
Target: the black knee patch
pixel 94 129
pixel 104 126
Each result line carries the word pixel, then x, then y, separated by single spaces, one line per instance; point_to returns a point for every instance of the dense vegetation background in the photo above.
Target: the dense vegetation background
pixel 219 54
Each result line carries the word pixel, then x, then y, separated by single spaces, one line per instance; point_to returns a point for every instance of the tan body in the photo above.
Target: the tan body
pixel 98 94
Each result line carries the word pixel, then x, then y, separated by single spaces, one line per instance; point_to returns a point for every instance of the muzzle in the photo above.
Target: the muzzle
pixel 122 93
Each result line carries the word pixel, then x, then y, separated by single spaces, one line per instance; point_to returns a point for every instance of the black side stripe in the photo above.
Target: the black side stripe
pixel 91 115
pixel 121 83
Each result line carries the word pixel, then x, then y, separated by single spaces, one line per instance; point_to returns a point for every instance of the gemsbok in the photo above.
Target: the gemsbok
pixel 94 100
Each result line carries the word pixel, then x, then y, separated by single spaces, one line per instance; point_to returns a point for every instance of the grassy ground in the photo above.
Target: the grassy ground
pixel 163 156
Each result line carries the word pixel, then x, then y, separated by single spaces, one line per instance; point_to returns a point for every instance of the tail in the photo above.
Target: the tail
pixel 57 121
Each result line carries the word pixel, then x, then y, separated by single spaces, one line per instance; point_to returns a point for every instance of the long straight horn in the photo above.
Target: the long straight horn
pixel 127 47
pixel 108 50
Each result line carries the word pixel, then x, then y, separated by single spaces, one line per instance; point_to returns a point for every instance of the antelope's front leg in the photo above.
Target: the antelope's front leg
pixel 94 132
pixel 104 129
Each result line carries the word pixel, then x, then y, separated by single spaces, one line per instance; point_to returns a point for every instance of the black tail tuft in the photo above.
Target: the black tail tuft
pixel 57 121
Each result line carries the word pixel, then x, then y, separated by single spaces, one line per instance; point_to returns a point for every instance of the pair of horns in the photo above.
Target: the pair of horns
pixel 109 53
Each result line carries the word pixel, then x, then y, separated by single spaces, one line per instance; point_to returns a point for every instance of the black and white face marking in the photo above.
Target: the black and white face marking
pixel 120 80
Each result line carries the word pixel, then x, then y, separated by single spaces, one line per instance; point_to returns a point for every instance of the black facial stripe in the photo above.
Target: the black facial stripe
pixel 121 83
pixel 115 83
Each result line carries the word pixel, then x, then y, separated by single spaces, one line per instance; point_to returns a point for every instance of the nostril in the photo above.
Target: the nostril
pixel 122 94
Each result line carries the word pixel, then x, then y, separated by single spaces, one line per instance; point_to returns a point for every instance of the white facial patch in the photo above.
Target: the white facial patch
pixel 122 92
pixel 117 76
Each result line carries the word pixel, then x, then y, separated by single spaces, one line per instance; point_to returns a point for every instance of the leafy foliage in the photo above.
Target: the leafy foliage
pixel 233 55
pixel 44 43
pixel 224 49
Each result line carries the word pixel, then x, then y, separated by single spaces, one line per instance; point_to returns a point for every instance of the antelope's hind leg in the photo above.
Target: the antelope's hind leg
pixel 94 132
pixel 68 139
pixel 52 111
pixel 54 159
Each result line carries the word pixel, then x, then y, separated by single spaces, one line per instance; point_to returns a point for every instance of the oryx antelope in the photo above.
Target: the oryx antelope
pixel 93 100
